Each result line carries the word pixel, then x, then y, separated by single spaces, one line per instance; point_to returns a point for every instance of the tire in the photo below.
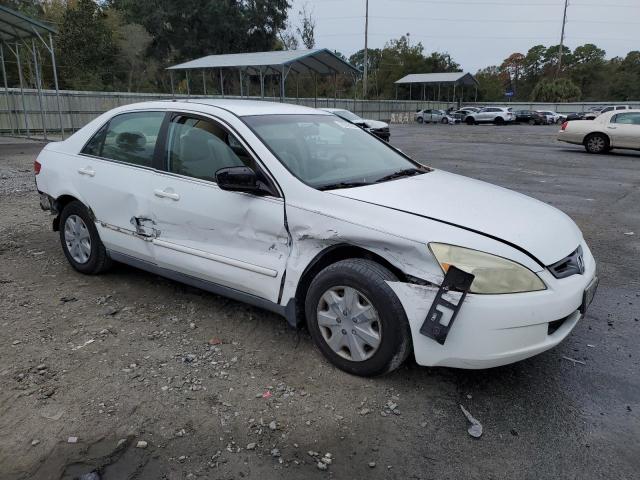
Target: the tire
pixel 80 241
pixel 596 143
pixel 420 120
pixel 499 121
pixel 444 120
pixel 386 320
pixel 470 121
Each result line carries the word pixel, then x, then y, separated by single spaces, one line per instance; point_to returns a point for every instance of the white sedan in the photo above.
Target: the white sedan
pixel 302 213
pixel 613 129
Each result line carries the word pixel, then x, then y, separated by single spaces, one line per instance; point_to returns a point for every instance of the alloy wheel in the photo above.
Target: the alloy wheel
pixel 77 239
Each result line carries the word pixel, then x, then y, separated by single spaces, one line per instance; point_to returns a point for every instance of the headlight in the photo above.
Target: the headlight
pixel 493 274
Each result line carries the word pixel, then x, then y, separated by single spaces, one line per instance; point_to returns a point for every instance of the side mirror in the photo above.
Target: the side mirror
pixel 241 179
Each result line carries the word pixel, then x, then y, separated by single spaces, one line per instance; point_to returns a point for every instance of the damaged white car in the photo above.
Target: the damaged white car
pixel 300 212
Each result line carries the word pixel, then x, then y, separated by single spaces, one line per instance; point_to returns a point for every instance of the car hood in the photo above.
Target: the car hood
pixel 376 124
pixel 541 230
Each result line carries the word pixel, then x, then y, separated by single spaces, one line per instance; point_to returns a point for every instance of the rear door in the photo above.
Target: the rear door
pixel 114 175
pixel 624 130
pixel 234 239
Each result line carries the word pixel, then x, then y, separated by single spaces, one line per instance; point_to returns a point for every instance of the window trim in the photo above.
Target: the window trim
pixel 162 160
pixel 154 163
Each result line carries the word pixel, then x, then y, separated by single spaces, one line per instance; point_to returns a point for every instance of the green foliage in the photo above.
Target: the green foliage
pixel 86 48
pixel 559 90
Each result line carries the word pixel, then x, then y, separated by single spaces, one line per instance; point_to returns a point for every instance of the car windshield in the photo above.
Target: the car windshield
pixel 327 152
pixel 347 115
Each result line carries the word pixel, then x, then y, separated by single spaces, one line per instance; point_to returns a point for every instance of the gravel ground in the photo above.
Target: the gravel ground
pixel 134 376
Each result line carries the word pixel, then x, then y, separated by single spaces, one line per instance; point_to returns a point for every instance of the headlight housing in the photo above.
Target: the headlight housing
pixel 493 274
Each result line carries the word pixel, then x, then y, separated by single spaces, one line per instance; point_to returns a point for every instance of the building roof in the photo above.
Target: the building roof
pixel 459 78
pixel 14 26
pixel 319 60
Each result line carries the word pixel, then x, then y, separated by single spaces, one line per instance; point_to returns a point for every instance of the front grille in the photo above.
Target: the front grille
pixel 572 264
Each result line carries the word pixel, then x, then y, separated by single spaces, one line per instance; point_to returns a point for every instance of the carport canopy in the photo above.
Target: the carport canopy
pixel 447 79
pixel 20 32
pixel 319 61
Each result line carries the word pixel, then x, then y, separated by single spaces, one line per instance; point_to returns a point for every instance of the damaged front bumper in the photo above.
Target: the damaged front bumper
pixel 494 330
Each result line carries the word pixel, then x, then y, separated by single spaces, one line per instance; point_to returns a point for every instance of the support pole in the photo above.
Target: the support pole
pixel 261 83
pixel 55 82
pixel 39 87
pixel 315 91
pixel 476 97
pixel 366 51
pixel 335 89
pixel 297 88
pixel 188 89
pixel 282 85
pixel 24 104
pixel 564 22
pixel 204 82
pixel 221 83
pixel 173 93
pixel 6 88
pixel 241 89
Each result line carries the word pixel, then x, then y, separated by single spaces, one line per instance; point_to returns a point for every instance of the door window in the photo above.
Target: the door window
pixel 627 118
pixel 198 148
pixel 129 138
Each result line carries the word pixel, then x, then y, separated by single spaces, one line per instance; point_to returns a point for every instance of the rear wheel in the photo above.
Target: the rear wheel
pixel 470 121
pixel 80 241
pixel 356 319
pixel 420 120
pixel 499 121
pixel 444 120
pixel 596 143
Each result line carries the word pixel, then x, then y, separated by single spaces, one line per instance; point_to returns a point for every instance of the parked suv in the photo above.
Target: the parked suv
pixel 497 115
pixel 434 116
pixel 300 212
pixel 597 112
pixel 378 128
pixel 531 117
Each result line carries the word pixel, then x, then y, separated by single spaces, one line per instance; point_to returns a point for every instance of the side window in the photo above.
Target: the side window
pixel 129 138
pixel 621 108
pixel 626 118
pixel 608 109
pixel 199 148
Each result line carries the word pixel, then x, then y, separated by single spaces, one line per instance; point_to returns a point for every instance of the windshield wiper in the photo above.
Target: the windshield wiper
pixel 406 172
pixel 335 186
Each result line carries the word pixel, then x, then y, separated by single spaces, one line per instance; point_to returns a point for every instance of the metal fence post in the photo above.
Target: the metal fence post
pixel 6 88
pixel 55 83
pixel 39 87
pixel 24 104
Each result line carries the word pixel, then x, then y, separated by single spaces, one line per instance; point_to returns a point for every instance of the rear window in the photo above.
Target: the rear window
pixel 129 138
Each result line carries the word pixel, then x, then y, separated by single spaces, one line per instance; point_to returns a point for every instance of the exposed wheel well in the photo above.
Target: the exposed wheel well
pixel 330 256
pixel 58 205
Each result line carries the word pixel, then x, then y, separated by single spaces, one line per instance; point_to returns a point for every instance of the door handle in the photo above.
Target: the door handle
pixel 87 171
pixel 164 194
pixel 611 127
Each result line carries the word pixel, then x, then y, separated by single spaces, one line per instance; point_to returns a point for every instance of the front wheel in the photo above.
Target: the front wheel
pixel 356 319
pixel 420 120
pixel 444 120
pixel 470 121
pixel 596 143
pixel 80 241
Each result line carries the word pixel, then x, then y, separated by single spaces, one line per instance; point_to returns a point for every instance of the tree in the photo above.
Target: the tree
pixel 307 32
pixel 559 90
pixel 86 48
pixel 586 70
pixel 492 82
pixel 512 67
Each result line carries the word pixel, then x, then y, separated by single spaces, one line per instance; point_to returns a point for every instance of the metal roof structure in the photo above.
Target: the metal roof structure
pixel 451 78
pixel 19 34
pixel 14 26
pixel 320 60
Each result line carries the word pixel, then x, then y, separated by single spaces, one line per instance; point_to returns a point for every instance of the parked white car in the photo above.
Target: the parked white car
pixel 302 213
pixel 434 116
pixel 378 128
pixel 595 112
pixel 497 115
pixel 614 129
pixel 552 117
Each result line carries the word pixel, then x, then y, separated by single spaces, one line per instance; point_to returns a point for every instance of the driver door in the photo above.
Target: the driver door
pixel 233 239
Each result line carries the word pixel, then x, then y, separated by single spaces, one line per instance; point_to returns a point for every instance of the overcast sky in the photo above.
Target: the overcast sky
pixel 476 33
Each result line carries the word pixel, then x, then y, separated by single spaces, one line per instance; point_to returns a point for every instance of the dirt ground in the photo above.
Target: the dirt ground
pixel 91 366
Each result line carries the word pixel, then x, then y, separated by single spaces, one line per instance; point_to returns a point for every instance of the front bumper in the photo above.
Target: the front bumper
pixel 494 330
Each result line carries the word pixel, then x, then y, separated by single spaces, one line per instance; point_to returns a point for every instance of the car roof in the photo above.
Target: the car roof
pixel 241 108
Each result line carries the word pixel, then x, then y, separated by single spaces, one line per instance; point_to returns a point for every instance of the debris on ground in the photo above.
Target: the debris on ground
pixel 215 341
pixel 251 446
pixel 372 464
pixel 141 444
pixel 574 360
pixel 267 395
pixel 475 430
pixel 88 342
pixel 72 440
